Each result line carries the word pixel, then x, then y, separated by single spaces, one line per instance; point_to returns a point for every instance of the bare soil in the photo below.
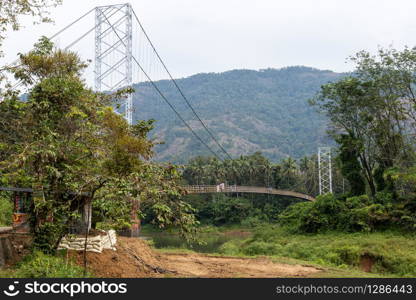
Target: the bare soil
pixel 366 263
pixel 134 258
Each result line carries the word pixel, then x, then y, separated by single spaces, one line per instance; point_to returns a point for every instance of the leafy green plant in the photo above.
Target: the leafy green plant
pixel 388 252
pixel 6 209
pixel 40 265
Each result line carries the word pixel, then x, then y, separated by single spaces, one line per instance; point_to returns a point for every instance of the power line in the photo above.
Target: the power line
pixel 179 89
pixel 163 96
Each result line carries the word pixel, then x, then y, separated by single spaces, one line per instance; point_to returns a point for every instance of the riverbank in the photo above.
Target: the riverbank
pixel 265 251
pixel 386 254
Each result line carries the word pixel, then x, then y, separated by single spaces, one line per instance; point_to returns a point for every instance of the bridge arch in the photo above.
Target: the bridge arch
pixel 205 189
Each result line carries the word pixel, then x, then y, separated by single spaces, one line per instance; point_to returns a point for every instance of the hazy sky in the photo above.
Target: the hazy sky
pixel 196 36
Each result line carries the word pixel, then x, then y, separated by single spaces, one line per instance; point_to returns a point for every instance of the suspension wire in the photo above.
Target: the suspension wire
pixel 58 33
pixel 179 89
pixel 69 25
pixel 163 96
pixel 85 34
pixel 19 83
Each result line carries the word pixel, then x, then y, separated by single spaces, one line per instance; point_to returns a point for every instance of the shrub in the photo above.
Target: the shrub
pixel 293 217
pixel 310 217
pixel 46 237
pixel 227 210
pixel 252 222
pixel 261 248
pixel 230 248
pixel 359 213
pixel 358 201
pixel 6 209
pixel 40 265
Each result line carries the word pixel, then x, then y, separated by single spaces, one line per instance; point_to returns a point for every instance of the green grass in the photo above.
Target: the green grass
pixel 39 265
pixel 327 272
pixel 393 254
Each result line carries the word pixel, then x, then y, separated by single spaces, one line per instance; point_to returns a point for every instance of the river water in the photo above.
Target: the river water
pixel 211 242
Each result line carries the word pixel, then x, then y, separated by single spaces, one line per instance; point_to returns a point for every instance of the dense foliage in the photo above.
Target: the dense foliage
pixel 252 170
pixel 372 115
pixel 359 213
pixel 66 142
pixel 6 209
pixel 256 170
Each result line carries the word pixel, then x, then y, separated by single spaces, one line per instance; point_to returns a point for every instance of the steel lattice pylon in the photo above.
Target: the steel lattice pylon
pixel 113 57
pixel 324 168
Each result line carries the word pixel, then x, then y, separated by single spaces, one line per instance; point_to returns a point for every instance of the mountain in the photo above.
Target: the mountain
pixel 246 110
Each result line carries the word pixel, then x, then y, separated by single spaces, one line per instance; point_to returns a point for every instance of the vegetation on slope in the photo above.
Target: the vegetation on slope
pixel 387 253
pixel 247 110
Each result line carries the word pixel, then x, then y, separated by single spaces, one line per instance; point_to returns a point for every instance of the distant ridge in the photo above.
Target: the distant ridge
pixel 247 110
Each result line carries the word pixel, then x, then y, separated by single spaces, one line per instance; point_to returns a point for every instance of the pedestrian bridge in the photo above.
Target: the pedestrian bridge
pixel 205 189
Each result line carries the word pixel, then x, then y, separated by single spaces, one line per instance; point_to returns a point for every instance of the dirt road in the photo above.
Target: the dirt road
pixel 134 258
pixel 200 265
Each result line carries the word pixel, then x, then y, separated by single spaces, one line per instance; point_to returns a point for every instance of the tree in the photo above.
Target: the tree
pixel 375 107
pixel 72 147
pixel 350 166
pixel 349 105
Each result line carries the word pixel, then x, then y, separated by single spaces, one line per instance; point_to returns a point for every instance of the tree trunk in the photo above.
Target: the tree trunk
pixel 135 221
pixel 86 214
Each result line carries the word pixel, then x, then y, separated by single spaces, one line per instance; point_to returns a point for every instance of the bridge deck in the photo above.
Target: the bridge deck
pixel 204 189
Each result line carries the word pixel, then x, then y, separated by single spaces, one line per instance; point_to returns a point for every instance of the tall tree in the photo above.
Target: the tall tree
pixel 72 145
pixel 375 107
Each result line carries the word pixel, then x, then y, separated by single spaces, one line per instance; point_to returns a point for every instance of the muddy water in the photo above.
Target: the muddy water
pixel 211 242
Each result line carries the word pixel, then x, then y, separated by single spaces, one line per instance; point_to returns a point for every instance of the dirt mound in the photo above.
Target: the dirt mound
pixel 134 258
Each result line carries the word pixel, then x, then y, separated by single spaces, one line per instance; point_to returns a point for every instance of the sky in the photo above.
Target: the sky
pixel 198 36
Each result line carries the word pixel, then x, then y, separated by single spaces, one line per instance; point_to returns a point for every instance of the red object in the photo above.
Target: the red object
pixel 21 222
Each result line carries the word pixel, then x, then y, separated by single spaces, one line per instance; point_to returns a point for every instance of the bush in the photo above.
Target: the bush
pixel 6 209
pixel 252 222
pixel 232 247
pixel 359 213
pixel 367 218
pixel 40 265
pixel 310 217
pixel 261 248
pixel 358 201
pixel 293 217
pixel 46 237
pixel 228 210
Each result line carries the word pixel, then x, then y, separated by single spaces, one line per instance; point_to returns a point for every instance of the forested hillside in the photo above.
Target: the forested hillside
pixel 247 111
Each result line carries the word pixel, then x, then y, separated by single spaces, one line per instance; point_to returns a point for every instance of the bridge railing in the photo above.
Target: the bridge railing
pixel 222 188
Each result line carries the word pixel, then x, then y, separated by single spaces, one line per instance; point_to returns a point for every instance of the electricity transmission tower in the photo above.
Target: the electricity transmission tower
pixel 113 52
pixel 324 168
